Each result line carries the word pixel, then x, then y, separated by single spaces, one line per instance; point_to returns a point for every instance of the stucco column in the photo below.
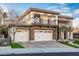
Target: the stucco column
pixel 56 18
pixel 57 23
pixel 31 34
pixel 62 35
pixel 71 35
pixel 68 35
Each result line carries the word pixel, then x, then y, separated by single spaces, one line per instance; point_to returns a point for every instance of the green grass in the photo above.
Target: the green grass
pixel 76 42
pixel 70 45
pixel 16 45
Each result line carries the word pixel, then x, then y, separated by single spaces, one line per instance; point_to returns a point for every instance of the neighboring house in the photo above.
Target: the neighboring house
pixel 41 25
pixel 76 33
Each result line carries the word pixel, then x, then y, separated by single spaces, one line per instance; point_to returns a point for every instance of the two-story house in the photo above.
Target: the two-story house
pixel 41 25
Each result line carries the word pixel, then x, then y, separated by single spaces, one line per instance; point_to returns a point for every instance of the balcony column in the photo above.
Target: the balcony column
pixel 56 18
pixel 49 21
pixel 71 22
pixel 32 17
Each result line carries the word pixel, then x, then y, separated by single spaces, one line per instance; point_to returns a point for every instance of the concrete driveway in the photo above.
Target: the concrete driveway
pixel 44 44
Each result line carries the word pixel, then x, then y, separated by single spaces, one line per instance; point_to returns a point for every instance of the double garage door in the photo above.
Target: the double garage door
pixel 43 35
pixel 39 35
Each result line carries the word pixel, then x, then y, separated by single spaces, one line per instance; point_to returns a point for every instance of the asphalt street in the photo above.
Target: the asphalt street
pixel 46 54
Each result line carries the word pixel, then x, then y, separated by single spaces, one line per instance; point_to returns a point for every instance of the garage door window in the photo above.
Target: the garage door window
pixel 40 31
pixel 49 31
pixel 45 31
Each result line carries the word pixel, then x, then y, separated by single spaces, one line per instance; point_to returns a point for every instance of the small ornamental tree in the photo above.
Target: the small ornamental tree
pixel 66 29
pixel 13 16
pixel 4 28
pixel 5 31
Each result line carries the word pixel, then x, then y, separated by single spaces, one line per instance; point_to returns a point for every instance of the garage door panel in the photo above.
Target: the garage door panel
pixel 43 35
pixel 22 36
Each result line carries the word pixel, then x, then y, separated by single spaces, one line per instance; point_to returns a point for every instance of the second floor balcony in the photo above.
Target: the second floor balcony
pixel 39 21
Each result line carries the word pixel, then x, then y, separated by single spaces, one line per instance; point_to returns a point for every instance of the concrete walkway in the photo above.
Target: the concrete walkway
pixel 45 44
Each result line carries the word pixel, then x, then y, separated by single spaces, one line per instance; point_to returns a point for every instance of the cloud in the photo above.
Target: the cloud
pixel 66 10
pixel 62 8
pixel 76 22
pixel 3 6
pixel 68 14
pixel 76 11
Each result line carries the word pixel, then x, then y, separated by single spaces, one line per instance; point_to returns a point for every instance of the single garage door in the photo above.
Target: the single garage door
pixel 22 36
pixel 43 35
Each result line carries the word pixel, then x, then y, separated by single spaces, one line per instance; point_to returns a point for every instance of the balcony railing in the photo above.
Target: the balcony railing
pixel 52 22
pixel 43 21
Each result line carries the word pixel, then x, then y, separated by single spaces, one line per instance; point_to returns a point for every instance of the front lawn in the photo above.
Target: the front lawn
pixel 16 45
pixel 74 44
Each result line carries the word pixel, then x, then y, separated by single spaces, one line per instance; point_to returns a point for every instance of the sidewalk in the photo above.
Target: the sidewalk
pixel 4 51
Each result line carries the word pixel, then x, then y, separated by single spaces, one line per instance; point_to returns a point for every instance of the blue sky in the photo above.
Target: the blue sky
pixel 69 9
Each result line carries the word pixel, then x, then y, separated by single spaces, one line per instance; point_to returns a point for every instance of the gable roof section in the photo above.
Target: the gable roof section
pixel 44 11
pixel 38 10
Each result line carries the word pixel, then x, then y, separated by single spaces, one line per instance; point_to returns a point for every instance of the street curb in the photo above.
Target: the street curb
pixel 36 50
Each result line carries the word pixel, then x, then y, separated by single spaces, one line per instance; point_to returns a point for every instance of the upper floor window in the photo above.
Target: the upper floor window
pixel 36 16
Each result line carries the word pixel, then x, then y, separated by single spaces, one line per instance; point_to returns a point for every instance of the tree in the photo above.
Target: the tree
pixel 13 16
pixel 66 29
pixel 3 15
pixel 4 29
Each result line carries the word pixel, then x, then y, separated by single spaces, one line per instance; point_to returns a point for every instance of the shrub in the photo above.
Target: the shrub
pixel 65 41
pixel 4 30
pixel 76 41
